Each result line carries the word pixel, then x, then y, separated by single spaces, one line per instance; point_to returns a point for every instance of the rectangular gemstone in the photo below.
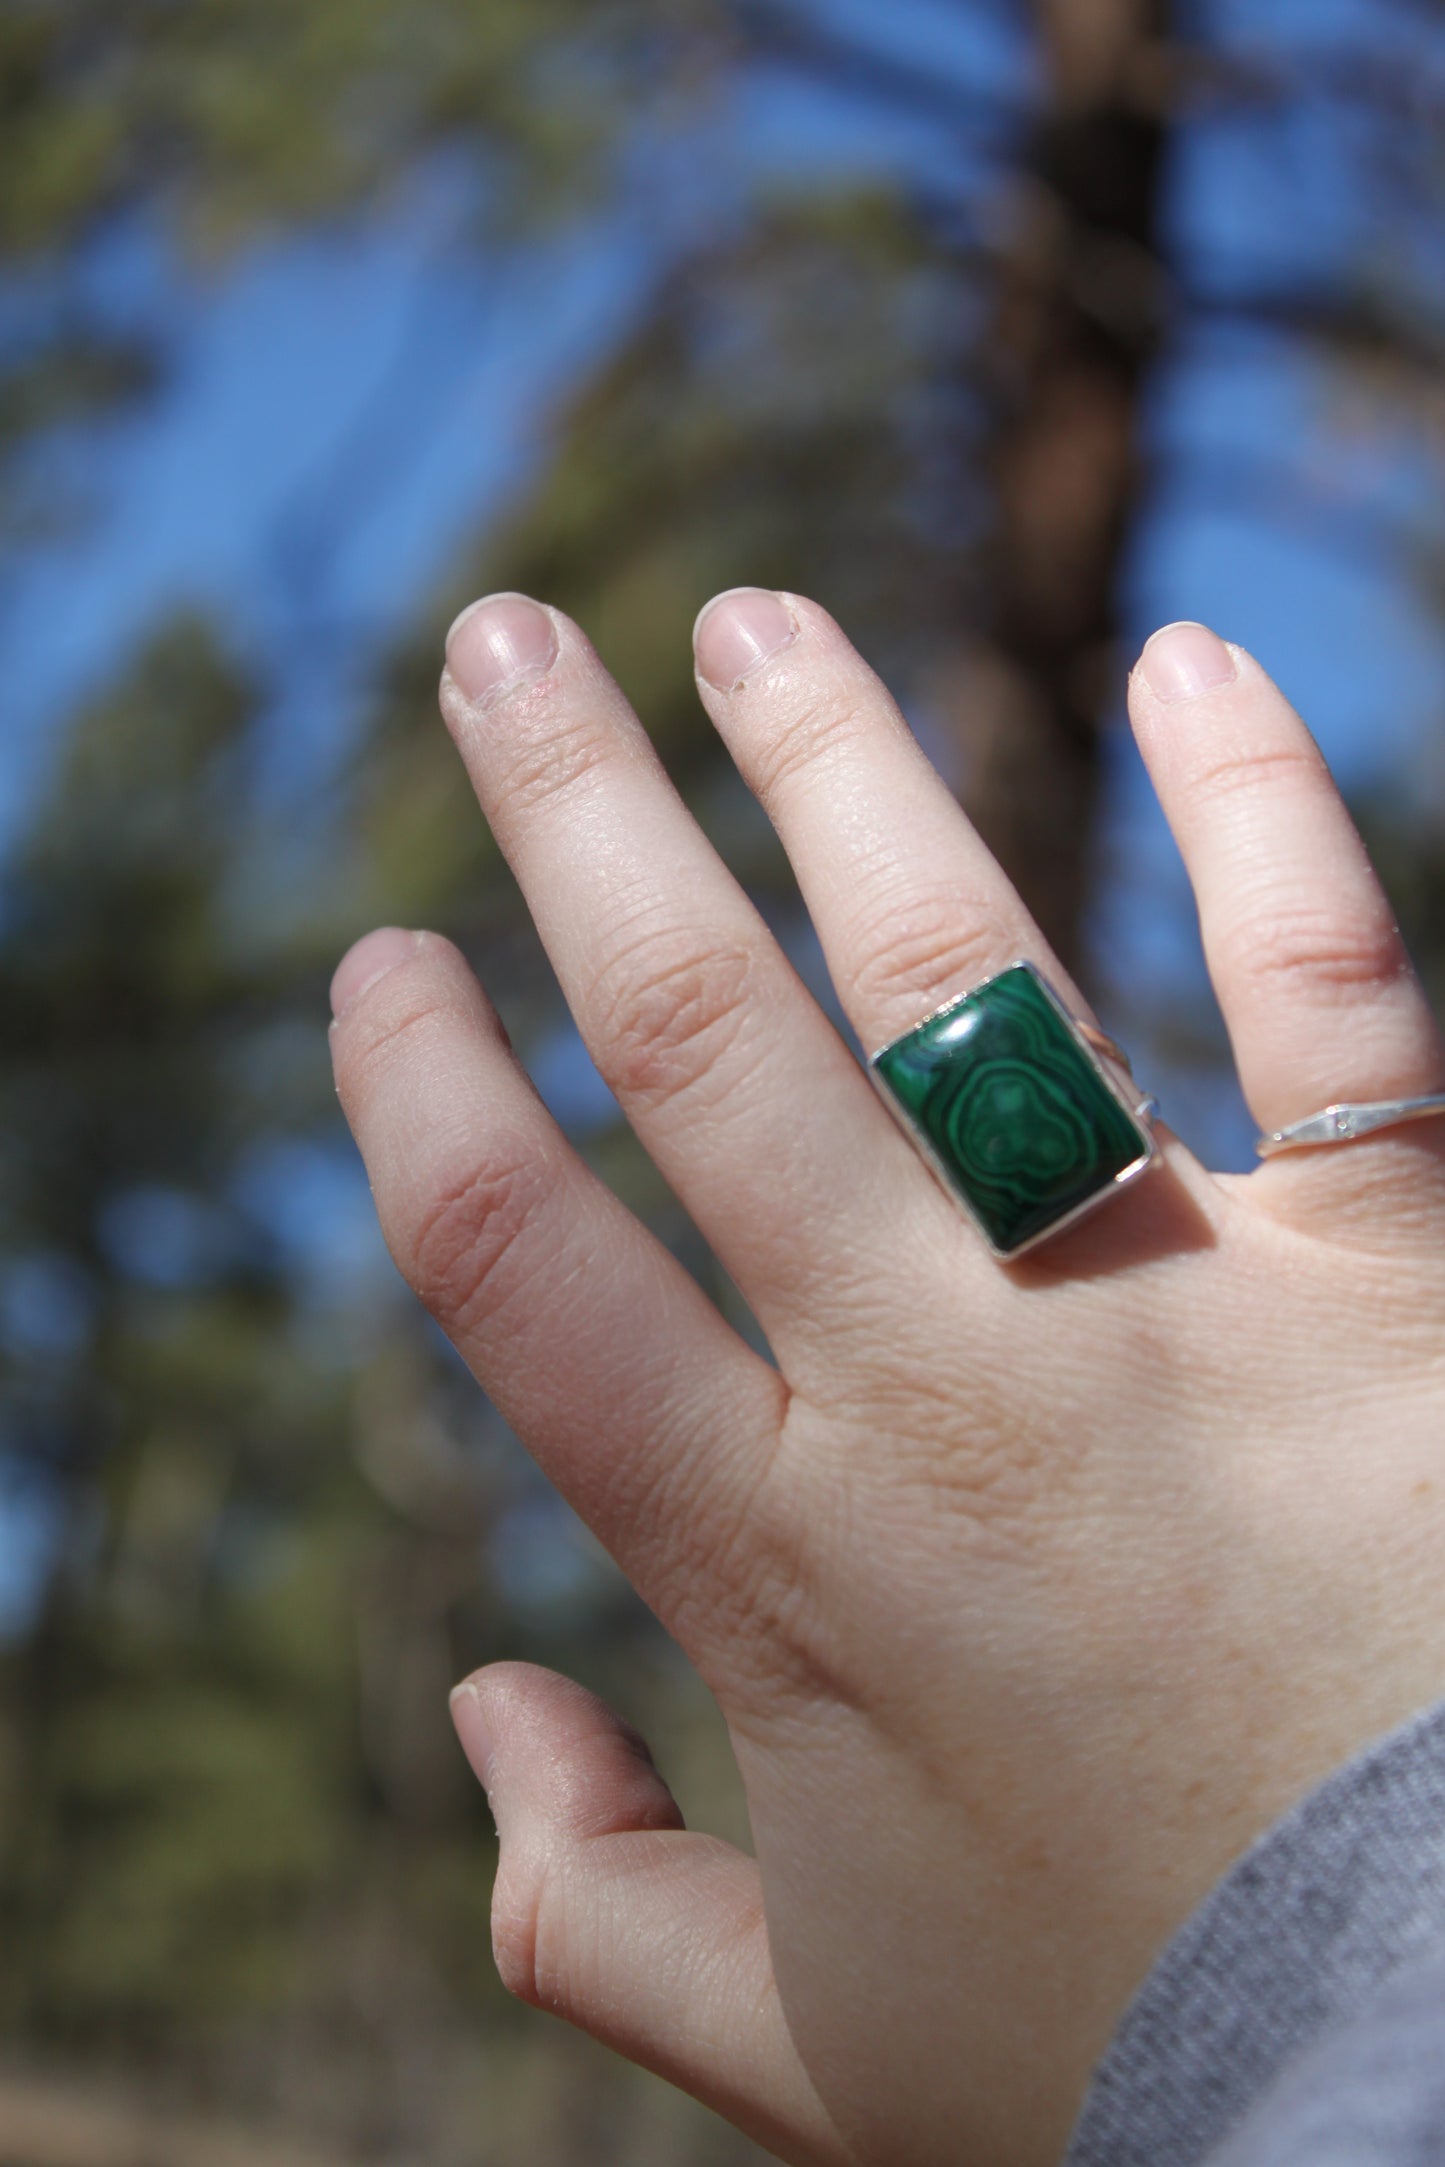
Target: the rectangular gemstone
pixel 1015 1112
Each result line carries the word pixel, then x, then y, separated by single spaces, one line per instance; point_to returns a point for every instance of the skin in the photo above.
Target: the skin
pixel 1031 1594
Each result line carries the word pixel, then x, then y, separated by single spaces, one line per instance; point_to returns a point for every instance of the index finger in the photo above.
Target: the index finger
pixel 625 1383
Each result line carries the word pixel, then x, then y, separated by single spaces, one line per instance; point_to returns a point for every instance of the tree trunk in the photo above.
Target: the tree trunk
pixel 1078 322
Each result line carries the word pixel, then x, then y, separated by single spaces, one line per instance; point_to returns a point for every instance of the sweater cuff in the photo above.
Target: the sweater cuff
pixel 1341 1893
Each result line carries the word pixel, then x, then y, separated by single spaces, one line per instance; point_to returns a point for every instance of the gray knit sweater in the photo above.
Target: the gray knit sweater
pixel 1298 2018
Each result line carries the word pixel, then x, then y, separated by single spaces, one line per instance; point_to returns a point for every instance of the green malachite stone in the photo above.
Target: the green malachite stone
pixel 1015 1113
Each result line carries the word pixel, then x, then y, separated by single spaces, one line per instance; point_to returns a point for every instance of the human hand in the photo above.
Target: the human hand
pixel 1030 1593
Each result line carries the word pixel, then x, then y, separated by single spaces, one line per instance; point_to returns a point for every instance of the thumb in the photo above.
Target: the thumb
pixel 608 1912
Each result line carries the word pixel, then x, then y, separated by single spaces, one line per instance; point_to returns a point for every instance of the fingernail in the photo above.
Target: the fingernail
pixel 499 643
pixel 472 1730
pixel 369 960
pixel 1186 659
pixel 738 631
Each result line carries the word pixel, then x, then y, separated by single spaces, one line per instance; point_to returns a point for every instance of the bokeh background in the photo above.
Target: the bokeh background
pixel 1008 331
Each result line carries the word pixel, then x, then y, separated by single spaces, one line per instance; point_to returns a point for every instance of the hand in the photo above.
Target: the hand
pixel 1030 1593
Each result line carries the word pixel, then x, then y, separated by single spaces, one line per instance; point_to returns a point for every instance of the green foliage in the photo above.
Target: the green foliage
pixel 234 113
pixel 228 121
pixel 68 377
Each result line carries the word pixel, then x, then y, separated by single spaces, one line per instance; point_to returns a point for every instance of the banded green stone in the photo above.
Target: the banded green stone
pixel 1012 1108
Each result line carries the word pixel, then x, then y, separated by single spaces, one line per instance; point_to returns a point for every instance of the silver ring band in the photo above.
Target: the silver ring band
pixel 1108 1047
pixel 1346 1124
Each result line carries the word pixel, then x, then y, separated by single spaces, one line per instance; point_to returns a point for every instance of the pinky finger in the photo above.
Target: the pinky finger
pixel 1313 979
pixel 609 1913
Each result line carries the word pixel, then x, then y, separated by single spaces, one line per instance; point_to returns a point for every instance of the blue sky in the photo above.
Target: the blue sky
pixel 240 485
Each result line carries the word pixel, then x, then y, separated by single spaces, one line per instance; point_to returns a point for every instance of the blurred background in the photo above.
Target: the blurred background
pixel 1008 331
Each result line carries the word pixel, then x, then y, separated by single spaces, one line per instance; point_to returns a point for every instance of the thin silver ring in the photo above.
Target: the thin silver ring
pixel 1346 1124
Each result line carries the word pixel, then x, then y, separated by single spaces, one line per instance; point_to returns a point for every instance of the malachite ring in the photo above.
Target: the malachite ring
pixel 1028 1116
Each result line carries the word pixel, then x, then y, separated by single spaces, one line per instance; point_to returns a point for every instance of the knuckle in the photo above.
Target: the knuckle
pixel 812 729
pixel 771 1565
pixel 1338 956
pixel 376 1041
pixel 550 760
pixel 468 1230
pixel 518 1901
pixel 930 946
pixel 784 1647
pixel 1228 774
pixel 667 1007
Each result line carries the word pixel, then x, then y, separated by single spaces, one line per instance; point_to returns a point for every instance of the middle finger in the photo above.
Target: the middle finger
pixel 910 905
